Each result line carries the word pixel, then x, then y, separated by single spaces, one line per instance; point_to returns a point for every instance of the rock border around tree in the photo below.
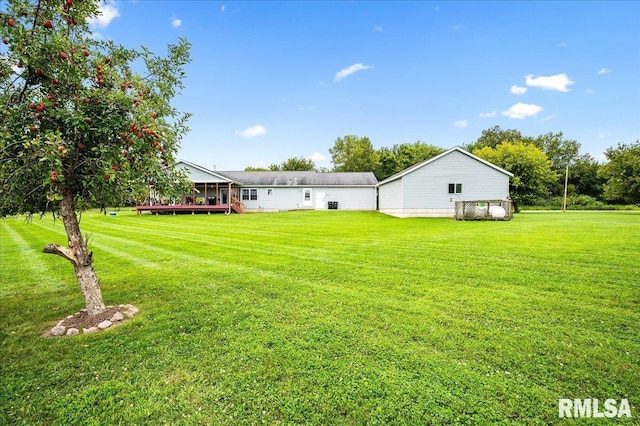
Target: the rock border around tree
pixel 83 323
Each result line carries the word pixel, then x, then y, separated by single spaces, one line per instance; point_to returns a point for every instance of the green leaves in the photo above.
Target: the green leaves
pixel 530 166
pixel 622 173
pixel 76 107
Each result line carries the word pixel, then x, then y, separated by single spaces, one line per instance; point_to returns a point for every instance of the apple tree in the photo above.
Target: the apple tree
pixel 84 123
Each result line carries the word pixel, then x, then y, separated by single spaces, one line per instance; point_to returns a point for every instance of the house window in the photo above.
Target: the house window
pixel 455 188
pixel 249 194
pixel 269 192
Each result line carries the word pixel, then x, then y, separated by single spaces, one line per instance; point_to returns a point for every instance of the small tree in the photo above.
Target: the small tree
pixel 80 127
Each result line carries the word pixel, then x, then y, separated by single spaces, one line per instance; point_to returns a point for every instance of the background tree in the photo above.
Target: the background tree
pixel 353 154
pixel 529 164
pixel 622 173
pixel 402 156
pixel 294 164
pixel 80 128
pixel 494 136
pixel 561 152
pixel 584 177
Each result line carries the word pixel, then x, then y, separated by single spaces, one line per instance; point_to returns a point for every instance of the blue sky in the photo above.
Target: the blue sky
pixel 274 80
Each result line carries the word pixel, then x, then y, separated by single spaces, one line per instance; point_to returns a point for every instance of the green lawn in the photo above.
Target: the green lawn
pixel 325 318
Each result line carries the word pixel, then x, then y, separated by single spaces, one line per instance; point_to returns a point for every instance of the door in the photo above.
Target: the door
pixel 321 200
pixel 306 198
pixel 224 195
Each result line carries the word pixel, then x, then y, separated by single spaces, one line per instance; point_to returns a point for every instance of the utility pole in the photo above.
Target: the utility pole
pixel 566 181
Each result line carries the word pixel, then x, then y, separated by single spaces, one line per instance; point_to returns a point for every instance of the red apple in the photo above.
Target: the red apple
pixel 63 55
pixel 55 81
pixel 107 176
pixel 81 147
pixel 11 22
pixel 48 24
pixel 40 107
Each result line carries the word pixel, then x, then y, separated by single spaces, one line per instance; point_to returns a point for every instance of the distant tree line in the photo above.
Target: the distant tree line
pixel 539 165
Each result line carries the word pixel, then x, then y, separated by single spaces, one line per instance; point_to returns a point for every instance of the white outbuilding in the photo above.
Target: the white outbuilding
pixel 432 187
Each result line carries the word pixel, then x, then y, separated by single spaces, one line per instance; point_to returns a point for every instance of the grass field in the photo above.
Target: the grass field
pixel 325 318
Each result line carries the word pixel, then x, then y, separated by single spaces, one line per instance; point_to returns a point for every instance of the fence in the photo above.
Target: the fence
pixel 484 210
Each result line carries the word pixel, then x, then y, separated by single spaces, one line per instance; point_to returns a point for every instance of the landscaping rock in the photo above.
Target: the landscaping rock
pixel 105 324
pixel 84 323
pixel 130 310
pixel 117 317
pixel 58 330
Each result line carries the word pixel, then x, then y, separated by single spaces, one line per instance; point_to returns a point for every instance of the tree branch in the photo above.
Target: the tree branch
pixel 61 251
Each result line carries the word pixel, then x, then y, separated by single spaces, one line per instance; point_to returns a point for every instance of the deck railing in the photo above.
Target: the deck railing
pixel 237 205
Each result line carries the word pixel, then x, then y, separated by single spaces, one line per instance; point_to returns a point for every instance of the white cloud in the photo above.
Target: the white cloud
pixel 307 107
pixel 223 8
pixel 107 12
pixel 346 72
pixel 377 28
pixel 457 27
pixel 488 114
pixel 557 82
pixel 518 90
pixel 251 132
pixel 603 71
pixel 175 22
pixel 589 91
pixel 461 123
pixel 521 110
pixel 316 156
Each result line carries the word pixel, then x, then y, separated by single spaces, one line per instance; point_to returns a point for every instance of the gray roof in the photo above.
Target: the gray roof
pixel 301 178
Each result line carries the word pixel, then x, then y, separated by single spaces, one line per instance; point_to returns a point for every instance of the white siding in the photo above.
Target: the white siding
pixel 390 195
pixel 196 175
pixel 291 198
pixel 428 187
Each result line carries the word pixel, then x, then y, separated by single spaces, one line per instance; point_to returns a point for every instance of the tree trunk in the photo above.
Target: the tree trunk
pixel 78 255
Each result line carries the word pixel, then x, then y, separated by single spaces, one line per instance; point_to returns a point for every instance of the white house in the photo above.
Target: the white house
pixel 431 188
pixel 282 190
pixel 270 191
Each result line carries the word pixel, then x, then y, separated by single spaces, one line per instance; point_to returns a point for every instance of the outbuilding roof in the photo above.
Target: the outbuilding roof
pixel 431 160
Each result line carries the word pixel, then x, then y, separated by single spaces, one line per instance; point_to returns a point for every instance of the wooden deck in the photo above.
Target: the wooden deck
pixel 188 209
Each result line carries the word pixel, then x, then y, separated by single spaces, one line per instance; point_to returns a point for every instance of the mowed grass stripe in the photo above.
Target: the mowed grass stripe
pixel 25 257
pixel 407 322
